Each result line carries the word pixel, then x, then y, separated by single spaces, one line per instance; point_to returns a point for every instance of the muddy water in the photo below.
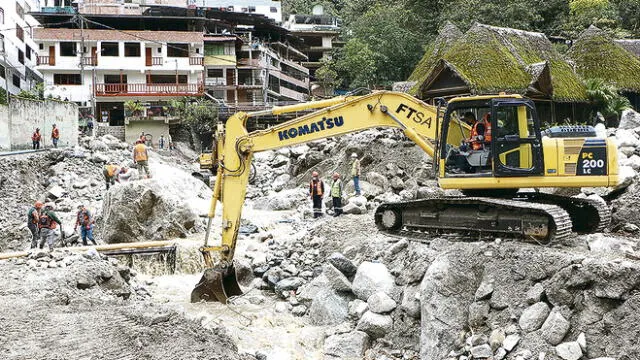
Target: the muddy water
pixel 253 327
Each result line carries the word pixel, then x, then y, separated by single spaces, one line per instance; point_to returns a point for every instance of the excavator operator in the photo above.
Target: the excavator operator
pixel 480 135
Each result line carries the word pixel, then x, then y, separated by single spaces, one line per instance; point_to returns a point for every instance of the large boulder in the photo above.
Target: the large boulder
pixel 371 278
pixel 329 308
pixel 350 345
pixel 166 206
pixel 376 325
pixel 629 120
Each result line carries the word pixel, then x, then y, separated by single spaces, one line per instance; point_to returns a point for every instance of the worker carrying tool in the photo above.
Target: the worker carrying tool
pixel 47 223
pixel 33 218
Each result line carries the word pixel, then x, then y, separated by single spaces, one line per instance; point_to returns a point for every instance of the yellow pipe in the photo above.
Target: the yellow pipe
pixel 135 245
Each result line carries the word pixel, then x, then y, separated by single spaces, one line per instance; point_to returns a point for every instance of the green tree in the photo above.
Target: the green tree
pixel 356 64
pixel 600 13
pixel 629 15
pixel 606 99
pixel 328 78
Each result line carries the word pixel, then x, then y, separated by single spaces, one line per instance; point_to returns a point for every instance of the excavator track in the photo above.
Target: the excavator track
pixel 587 215
pixel 537 222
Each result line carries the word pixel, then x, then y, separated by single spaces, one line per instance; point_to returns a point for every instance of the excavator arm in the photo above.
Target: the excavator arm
pixel 235 147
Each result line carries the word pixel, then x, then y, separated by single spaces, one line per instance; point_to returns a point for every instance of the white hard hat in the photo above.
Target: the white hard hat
pixel 354 155
pixel 50 205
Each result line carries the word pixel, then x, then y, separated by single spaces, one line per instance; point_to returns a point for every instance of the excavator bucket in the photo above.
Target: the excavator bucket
pixel 216 284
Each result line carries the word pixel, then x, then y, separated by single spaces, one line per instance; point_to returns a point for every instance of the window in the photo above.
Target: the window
pixel 28 52
pixel 19 10
pixel 67 79
pixel 109 49
pixel 132 49
pixel 1 71
pixel 115 79
pixel 252 9
pixel 273 9
pixel 219 49
pixel 20 33
pixel 178 50
pixel 1 16
pixel 21 56
pixel 215 73
pixel 67 49
pixel 16 80
pixel 167 79
pixel 41 46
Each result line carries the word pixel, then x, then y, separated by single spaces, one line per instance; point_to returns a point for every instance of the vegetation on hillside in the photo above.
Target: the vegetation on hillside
pixel 384 40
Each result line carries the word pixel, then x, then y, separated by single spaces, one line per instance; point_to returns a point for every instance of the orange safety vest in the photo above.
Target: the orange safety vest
pixel 111 169
pixel 479 144
pixel 140 153
pixel 317 186
pixel 36 136
pixel 55 133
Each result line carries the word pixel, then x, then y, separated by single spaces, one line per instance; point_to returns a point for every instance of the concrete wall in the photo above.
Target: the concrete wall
pixel 154 127
pixel 23 116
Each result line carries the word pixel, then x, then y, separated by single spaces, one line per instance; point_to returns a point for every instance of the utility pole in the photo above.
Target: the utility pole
pixel 6 72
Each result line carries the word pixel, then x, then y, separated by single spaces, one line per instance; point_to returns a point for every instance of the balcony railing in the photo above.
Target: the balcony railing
pixel 157 60
pixel 90 60
pixel 249 62
pixel 149 89
pixel 46 60
pixel 196 60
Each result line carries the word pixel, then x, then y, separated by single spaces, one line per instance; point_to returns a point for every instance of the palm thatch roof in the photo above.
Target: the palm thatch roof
pixel 489 59
pixel 598 56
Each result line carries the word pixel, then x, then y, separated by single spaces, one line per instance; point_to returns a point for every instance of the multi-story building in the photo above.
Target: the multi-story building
pixel 269 8
pixel 17 48
pixel 245 72
pixel 319 35
pixel 102 69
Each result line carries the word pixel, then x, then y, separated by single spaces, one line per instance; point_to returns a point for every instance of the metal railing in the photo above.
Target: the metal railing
pixel 148 89
pixel 46 60
pixel 90 60
pixel 196 60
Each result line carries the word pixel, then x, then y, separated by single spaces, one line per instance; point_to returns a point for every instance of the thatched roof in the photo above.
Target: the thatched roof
pixel 489 59
pixel 631 45
pixel 447 35
pixel 598 56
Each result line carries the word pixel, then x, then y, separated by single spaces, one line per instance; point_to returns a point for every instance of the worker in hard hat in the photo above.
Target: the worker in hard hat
pixel 33 218
pixel 336 194
pixel 355 172
pixel 316 191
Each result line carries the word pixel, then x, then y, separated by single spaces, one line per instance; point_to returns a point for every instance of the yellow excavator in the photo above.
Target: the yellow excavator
pixel 491 174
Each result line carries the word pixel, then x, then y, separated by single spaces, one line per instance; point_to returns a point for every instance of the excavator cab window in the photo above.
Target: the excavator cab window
pixel 470 157
pixel 516 141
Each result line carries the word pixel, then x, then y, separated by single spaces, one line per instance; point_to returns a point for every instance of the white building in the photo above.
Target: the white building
pixel 18 51
pixel 269 8
pixel 102 69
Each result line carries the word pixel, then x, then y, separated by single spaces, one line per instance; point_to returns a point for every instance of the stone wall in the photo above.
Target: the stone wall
pixel 21 117
pixel 153 127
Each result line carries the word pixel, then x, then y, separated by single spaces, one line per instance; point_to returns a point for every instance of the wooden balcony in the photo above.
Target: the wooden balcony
pixel 46 60
pixel 90 60
pixel 196 60
pixel 149 89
